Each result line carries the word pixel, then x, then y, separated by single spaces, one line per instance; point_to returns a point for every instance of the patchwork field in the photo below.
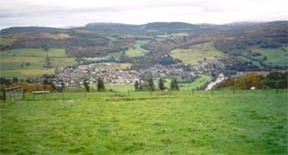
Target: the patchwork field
pixel 248 122
pixel 28 62
pixel 197 53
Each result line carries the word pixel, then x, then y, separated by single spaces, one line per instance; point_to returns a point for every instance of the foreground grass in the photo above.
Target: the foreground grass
pixel 163 123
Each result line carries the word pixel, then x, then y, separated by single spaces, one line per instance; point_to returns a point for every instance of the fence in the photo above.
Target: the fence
pixel 14 93
pixel 143 95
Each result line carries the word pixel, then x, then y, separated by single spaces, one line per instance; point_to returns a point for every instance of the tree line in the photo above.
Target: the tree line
pixel 150 86
pixel 100 85
pixel 273 80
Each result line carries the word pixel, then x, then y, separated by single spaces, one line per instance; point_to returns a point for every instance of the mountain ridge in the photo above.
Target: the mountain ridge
pixel 139 27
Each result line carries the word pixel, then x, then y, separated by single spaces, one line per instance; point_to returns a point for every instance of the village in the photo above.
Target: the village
pixel 121 73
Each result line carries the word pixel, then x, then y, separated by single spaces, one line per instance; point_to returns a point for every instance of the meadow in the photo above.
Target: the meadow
pixel 276 57
pixel 29 62
pixel 197 53
pixel 247 122
pixel 137 51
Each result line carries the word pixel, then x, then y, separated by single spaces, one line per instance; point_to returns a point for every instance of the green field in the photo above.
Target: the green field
pixel 115 55
pixel 198 83
pixel 197 53
pixel 248 122
pixel 28 62
pixel 275 57
pixel 137 51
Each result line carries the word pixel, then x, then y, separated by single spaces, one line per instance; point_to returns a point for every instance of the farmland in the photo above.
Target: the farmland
pixel 28 62
pixel 200 81
pixel 137 51
pixel 276 57
pixel 247 122
pixel 197 54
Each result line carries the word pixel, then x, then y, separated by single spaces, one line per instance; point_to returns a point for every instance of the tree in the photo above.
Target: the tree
pixel 161 84
pixel 249 80
pixel 86 85
pixel 136 86
pixel 100 84
pixel 45 47
pixel 277 80
pixel 48 63
pixel 151 84
pixel 15 80
pixel 174 85
pixel 45 82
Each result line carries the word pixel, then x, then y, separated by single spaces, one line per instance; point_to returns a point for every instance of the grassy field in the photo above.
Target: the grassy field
pixel 248 122
pixel 28 62
pixel 198 83
pixel 275 57
pixel 115 55
pixel 197 53
pixel 137 51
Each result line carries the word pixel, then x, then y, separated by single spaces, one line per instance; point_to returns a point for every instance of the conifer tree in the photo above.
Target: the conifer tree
pixel 151 84
pixel 100 84
pixel 136 86
pixel 161 84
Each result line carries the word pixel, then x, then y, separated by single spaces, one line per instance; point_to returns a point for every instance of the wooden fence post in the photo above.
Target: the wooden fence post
pixel 23 93
pixel 4 94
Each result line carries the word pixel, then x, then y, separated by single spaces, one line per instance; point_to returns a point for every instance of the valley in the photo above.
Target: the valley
pixel 159 49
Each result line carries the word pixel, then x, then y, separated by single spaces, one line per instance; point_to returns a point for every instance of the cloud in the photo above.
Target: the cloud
pixel 80 12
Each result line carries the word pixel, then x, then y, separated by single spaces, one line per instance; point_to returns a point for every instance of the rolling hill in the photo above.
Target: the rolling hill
pixel 239 46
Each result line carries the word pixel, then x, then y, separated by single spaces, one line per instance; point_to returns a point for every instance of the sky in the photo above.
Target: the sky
pixel 71 13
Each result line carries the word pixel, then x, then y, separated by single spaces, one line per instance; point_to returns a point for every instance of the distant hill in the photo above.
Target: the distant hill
pixel 252 46
pixel 149 28
pixel 31 29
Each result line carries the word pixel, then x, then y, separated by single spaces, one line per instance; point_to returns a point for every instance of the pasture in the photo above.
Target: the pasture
pixel 29 62
pixel 247 122
pixel 275 57
pixel 137 51
pixel 197 53
pixel 196 84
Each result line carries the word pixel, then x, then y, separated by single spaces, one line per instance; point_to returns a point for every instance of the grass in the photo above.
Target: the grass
pixel 137 51
pixel 120 88
pixel 115 55
pixel 275 57
pixel 198 83
pixel 197 53
pixel 248 122
pixel 33 52
pixel 28 62
pixel 123 88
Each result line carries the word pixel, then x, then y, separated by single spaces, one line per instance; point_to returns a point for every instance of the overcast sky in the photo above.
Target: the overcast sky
pixel 66 13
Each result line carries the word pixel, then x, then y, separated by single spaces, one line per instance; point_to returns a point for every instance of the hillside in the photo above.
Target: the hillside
pixel 247 122
pixel 205 49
